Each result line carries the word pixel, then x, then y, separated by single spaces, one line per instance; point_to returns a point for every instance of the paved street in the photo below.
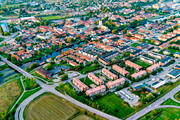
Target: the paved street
pixel 51 88
pixel 155 104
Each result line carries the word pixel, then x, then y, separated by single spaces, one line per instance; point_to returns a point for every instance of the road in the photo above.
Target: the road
pixel 49 88
pixel 155 104
pixel 8 39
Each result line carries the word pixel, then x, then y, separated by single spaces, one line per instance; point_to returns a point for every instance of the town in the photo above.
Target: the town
pixel 112 59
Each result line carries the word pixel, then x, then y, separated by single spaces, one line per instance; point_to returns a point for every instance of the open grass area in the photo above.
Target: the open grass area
pixel 135 44
pixel 170 102
pixel 51 107
pixel 113 104
pixel 87 81
pixel 177 96
pixel 27 94
pixel 130 70
pixel 142 63
pixel 90 68
pixel 8 94
pixel 162 114
pixel 51 17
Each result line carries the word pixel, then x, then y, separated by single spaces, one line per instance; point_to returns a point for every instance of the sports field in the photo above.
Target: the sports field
pixel 51 17
pixel 49 107
pixel 8 94
pixel 142 63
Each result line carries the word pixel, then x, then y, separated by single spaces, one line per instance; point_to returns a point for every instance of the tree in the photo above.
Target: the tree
pixel 113 31
pixel 64 77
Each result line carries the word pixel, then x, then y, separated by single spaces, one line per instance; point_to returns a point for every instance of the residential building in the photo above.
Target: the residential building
pixel 156 55
pixel 147 59
pixel 133 65
pixel 152 68
pixel 109 74
pixel 138 74
pixel 116 83
pixel 81 86
pixel 95 79
pixel 120 70
pixel 96 91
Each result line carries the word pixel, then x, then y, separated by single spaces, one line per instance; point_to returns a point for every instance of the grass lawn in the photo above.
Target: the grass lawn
pixel 87 81
pixel 162 114
pixel 170 102
pixel 82 117
pixel 8 94
pixel 51 17
pixel 173 50
pixel 27 94
pixel 142 63
pixel 177 96
pixel 135 44
pixel 90 68
pixel 5 66
pixel 131 70
pixel 51 107
pixel 113 104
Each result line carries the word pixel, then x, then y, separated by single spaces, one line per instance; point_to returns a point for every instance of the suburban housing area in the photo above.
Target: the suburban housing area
pixel 90 59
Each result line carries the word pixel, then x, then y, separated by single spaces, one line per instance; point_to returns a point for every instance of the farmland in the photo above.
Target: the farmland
pixel 51 107
pixel 9 94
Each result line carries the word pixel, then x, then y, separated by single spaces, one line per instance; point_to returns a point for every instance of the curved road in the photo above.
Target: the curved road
pixel 22 106
pixel 155 104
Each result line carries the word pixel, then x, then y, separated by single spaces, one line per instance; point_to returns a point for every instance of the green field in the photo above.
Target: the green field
pixel 142 63
pixel 9 94
pixel 177 96
pixel 51 17
pixel 114 105
pixel 170 102
pixel 87 81
pixel 162 114
pixel 90 68
pixel 51 107
pixel 135 44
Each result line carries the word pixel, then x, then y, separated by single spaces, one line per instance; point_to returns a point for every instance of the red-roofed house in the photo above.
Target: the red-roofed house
pixel 79 84
pixel 96 91
pixel 139 74
pixel 95 79
pixel 152 68
pixel 120 70
pixel 133 65
pixel 109 74
pixel 116 83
